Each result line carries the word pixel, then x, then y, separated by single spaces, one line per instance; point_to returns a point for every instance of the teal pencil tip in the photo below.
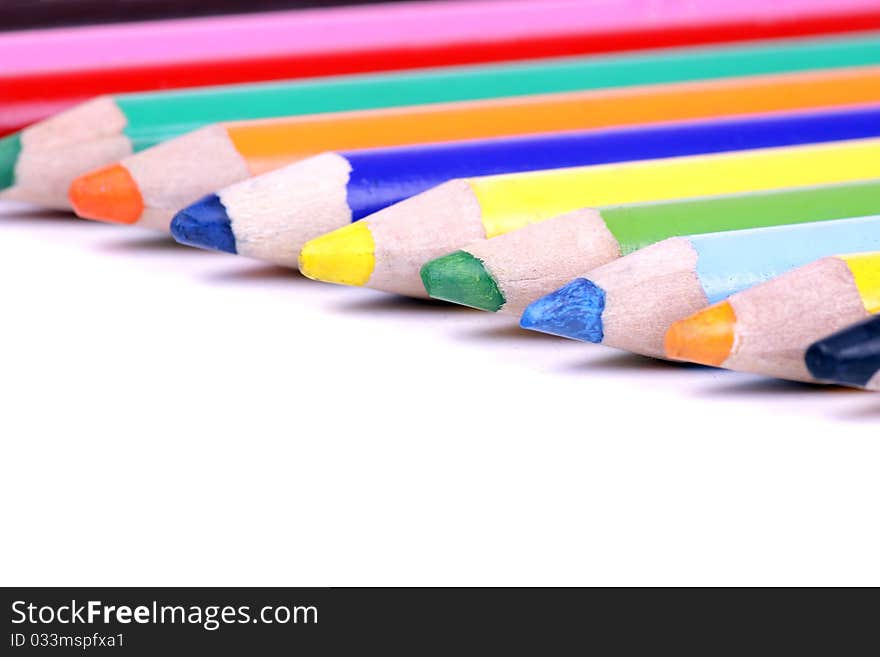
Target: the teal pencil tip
pixel 461 278
pixel 10 147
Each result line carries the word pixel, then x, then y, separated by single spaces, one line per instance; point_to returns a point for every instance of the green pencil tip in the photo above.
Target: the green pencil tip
pixel 10 147
pixel 461 278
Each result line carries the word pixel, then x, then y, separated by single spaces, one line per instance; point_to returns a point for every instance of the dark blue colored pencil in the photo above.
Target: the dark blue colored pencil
pixel 850 357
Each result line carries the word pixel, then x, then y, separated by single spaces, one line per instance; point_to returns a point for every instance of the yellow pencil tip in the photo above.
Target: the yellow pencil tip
pixel 705 337
pixel 344 256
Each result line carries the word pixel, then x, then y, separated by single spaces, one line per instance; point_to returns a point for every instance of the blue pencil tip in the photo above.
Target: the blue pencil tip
pixel 572 311
pixel 204 224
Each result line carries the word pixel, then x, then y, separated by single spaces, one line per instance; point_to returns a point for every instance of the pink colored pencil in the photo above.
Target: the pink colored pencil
pixel 411 25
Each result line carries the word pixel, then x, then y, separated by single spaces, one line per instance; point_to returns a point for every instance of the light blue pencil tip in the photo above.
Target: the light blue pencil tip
pixel 572 311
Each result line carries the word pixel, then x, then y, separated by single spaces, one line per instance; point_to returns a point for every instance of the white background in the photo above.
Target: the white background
pixel 176 417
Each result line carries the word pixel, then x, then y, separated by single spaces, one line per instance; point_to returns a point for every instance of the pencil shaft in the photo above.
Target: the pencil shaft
pixel 631 302
pixel 510 201
pixel 37 14
pixel 393 244
pixel 521 266
pixel 32 95
pixel 43 175
pixel 155 117
pixel 382 177
pixel 776 322
pixel 413 25
pixel 729 262
pixel 271 216
pixel 52 70
pixel 638 225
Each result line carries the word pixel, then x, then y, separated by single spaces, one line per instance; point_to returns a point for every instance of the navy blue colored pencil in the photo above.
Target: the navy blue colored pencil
pixel 270 217
pixel 850 357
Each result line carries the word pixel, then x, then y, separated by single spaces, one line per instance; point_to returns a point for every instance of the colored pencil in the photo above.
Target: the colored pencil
pixel 106 130
pixel 542 29
pixel 271 216
pixel 427 33
pixel 386 251
pixel 508 272
pixel 767 328
pixel 210 159
pixel 849 357
pixel 631 302
pixel 50 71
pixel 21 14
pixel 718 16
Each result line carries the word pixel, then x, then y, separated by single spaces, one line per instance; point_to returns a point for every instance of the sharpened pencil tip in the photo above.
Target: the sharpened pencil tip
pixel 572 311
pixel 705 337
pixel 821 362
pixel 462 278
pixel 344 256
pixel 204 224
pixel 10 147
pixel 849 357
pixel 107 194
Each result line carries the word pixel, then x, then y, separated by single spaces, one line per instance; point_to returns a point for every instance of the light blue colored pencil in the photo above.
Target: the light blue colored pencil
pixel 631 302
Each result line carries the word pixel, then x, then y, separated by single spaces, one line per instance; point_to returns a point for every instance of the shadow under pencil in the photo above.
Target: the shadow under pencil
pixel 35 214
pixel 141 243
pixel 502 331
pixel 259 273
pixel 626 362
pixel 867 413
pixel 763 387
pixel 391 304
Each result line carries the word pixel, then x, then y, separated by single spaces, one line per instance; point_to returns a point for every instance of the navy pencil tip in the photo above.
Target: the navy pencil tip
pixel 204 224
pixel 821 362
pixel 572 311
pixel 849 357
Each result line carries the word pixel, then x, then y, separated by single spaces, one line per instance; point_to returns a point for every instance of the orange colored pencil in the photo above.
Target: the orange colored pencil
pixel 149 187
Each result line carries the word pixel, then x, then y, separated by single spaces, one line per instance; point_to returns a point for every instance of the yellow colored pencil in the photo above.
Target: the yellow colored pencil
pixel 386 251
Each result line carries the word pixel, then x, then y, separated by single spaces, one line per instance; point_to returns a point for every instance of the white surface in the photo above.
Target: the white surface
pixel 171 416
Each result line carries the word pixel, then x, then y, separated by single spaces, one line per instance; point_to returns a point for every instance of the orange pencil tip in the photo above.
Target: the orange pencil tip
pixel 108 194
pixel 705 337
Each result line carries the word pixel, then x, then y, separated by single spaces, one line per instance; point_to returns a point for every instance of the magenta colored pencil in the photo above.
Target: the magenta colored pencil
pixel 391 26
